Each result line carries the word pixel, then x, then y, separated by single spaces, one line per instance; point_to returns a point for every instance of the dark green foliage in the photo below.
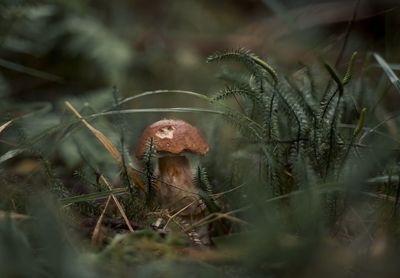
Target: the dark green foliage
pixel 120 120
pixel 287 123
pixel 39 246
pixel 148 170
pixel 201 181
pixel 256 66
pixel 54 182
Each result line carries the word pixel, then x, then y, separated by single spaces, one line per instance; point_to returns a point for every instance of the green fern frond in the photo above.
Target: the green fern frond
pixel 244 91
pixel 326 103
pixel 201 181
pixel 84 178
pixel 303 173
pixel 304 82
pixel 55 182
pixel 335 76
pixel 247 127
pixel 360 124
pixel 255 64
pixel 236 54
pixel 290 127
pixel 239 79
pixel 349 70
pixel 271 118
pixel 148 171
pixel 295 108
pixel 331 103
pixel 267 68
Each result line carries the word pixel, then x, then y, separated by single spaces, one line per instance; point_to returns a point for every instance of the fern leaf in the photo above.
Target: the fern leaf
pixel 332 72
pixel 235 90
pixel 349 70
pixel 148 159
pixel 256 65
pixel 206 193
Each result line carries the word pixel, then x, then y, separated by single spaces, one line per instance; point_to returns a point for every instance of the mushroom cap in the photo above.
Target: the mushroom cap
pixel 174 137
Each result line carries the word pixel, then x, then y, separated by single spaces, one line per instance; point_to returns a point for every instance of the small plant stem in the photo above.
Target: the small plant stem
pixel 119 206
pixel 96 231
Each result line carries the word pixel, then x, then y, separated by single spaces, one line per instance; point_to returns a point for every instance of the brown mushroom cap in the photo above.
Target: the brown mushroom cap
pixel 174 137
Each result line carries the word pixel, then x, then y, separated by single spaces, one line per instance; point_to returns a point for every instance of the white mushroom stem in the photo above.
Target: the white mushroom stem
pixel 177 191
pixel 176 188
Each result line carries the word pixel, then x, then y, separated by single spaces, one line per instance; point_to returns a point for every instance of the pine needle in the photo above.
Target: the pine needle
pixel 5 125
pixel 112 150
pixel 12 215
pixel 388 71
pixel 119 206
pixel 108 145
pixel 96 231
pixel 103 139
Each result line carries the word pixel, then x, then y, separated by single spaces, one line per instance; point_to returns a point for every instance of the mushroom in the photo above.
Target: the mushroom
pixel 175 141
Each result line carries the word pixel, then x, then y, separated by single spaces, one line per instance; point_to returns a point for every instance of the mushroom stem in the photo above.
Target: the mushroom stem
pixel 177 189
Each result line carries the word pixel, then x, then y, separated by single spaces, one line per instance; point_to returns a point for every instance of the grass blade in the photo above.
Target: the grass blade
pixel 112 150
pixel 118 204
pixel 335 77
pixel 5 125
pixel 96 231
pixel 12 215
pixel 388 70
pixel 29 71
pixel 108 145
pixel 10 154
pixel 102 138
pixel 93 196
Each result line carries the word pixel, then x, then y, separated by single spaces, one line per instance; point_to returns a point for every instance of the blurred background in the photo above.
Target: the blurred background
pixel 58 50
pixel 89 51
pixel 53 49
